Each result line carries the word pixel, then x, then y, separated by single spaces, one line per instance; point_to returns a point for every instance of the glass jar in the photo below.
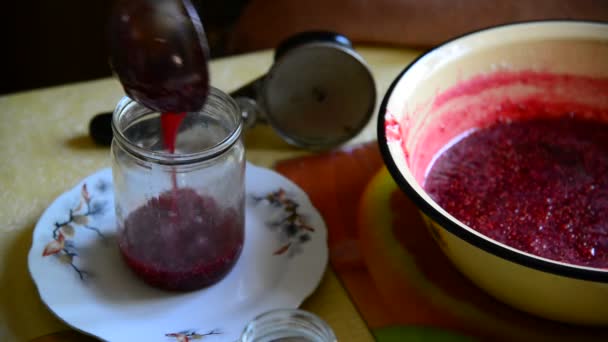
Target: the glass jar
pixel 288 325
pixel 180 214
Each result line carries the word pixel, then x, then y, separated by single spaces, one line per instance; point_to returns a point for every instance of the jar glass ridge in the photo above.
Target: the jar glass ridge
pixel 287 325
pixel 180 215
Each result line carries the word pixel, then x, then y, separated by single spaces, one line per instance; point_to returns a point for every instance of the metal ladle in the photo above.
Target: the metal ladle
pixel 318 93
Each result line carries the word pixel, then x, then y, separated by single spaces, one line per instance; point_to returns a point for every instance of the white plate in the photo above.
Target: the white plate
pixel 111 303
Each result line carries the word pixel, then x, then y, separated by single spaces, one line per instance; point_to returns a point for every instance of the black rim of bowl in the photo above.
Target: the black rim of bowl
pixel 486 243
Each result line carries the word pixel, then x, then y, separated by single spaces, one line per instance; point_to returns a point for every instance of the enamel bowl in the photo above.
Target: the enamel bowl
pixel 424 110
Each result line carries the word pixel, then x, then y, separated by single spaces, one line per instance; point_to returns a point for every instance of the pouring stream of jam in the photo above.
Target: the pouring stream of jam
pixel 170 127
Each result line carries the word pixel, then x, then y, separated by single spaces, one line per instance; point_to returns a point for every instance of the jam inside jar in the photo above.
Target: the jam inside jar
pixel 180 214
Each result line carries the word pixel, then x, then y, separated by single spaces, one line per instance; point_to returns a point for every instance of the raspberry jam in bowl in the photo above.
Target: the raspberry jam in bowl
pixel 500 137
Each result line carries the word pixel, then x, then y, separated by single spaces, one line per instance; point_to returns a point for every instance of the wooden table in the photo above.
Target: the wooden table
pixel 46 150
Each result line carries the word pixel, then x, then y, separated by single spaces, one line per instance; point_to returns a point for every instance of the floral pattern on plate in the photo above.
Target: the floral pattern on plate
pixel 191 335
pixel 79 217
pixel 291 226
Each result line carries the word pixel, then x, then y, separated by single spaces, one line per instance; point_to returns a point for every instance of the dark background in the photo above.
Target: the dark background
pixel 50 42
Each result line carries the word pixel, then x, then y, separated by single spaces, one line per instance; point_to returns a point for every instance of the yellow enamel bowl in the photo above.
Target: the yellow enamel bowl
pixel 537 285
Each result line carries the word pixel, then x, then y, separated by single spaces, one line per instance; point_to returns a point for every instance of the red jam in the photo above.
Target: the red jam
pixel 538 185
pixel 181 240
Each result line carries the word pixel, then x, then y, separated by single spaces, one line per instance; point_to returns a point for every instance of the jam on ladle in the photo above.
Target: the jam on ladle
pixel 179 239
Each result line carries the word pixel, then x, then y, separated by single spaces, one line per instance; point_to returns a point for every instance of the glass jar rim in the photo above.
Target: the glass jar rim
pixel 167 158
pixel 277 319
